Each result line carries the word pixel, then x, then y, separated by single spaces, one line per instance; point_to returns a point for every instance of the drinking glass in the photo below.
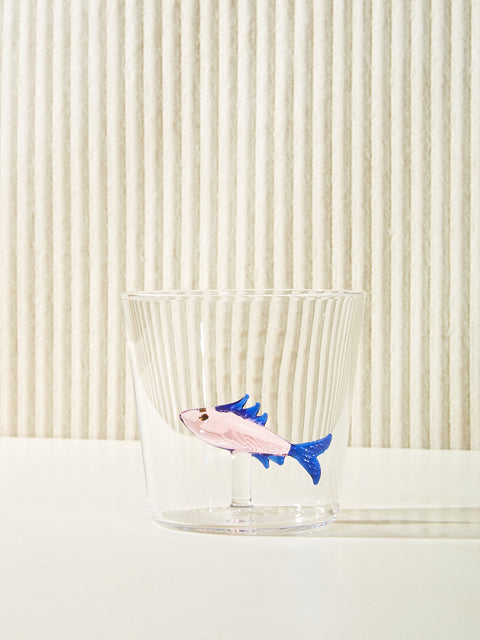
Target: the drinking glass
pixel 244 402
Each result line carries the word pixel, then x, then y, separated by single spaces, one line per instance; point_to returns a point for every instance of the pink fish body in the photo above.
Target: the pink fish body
pixel 232 432
pixel 241 430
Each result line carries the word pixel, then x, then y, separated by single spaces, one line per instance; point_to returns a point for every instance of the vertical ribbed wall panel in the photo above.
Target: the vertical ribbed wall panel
pixel 80 218
pixel 380 220
pixel 227 148
pixel 182 144
pixel 439 208
pixel 398 293
pixel 282 112
pixel 43 247
pixel 98 224
pixel 62 223
pixel 419 219
pixel 341 143
pixel 459 231
pixel 8 213
pixel 208 151
pixel 361 198
pixel 246 245
pixel 134 171
pixel 171 241
pixel 473 362
pixel 153 140
pixel 302 143
pixel 116 231
pixel 25 219
pixel 190 143
pixel 321 133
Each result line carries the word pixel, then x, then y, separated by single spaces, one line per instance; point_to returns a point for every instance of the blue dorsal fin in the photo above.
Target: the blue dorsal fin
pixel 233 406
pixel 238 409
pixel 261 420
pixel 252 411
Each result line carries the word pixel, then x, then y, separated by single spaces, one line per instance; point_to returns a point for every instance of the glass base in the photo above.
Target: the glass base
pixel 250 520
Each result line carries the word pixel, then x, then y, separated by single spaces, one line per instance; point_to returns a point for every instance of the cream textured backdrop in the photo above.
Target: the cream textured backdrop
pixel 240 144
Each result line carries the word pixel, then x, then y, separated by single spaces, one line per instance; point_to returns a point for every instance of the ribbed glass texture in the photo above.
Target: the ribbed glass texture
pixel 293 351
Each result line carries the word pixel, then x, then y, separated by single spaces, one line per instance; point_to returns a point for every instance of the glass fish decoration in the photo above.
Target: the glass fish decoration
pixel 240 430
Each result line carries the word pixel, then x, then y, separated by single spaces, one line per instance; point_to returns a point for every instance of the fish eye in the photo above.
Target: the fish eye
pixel 203 417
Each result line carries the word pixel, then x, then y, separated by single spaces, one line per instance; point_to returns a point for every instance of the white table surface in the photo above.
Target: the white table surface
pixel 80 557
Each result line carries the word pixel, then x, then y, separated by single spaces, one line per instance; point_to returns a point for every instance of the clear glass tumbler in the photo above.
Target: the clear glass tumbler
pixel 244 403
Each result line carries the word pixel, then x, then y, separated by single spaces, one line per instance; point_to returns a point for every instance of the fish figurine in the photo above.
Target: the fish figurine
pixel 240 430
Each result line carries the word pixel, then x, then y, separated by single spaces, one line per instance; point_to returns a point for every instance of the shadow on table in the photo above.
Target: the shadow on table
pixel 427 522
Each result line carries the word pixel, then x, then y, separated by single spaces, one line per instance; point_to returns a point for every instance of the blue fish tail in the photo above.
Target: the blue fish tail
pixel 306 454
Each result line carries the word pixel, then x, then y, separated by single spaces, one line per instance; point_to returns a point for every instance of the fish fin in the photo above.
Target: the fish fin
pixel 263 459
pixel 251 412
pixel 306 454
pixel 261 419
pixel 233 406
pixel 238 408
pixel 278 459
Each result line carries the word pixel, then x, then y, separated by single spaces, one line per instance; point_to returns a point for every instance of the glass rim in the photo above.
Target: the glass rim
pixel 184 294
